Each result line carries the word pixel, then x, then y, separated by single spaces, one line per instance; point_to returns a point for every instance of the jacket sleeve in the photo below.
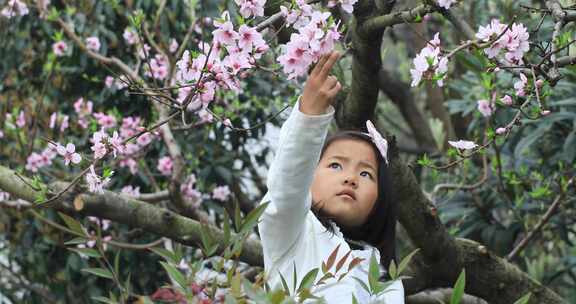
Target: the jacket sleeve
pixel 289 179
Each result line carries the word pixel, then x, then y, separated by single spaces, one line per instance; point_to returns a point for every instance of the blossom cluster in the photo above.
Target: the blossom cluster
pixel 512 41
pixel 230 53
pixel 95 182
pixel 346 5
pixel 445 3
pixel 14 8
pixel 316 36
pixel 250 8
pixel 429 64
pixel 36 161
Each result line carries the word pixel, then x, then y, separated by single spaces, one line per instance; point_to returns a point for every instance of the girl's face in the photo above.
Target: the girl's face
pixel 345 184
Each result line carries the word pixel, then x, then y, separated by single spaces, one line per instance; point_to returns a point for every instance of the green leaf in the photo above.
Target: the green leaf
pixel 362 284
pixel 458 290
pixel 166 254
pixel 373 273
pixel 73 224
pixel 86 251
pixel 101 272
pixel 284 284
pixel 75 241
pixel 252 218
pixel 392 270
pixel 524 299
pixel 406 260
pixel 308 279
pixel 294 277
pixel 175 274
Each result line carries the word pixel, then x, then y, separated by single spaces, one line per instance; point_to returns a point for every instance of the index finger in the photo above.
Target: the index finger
pixel 334 56
pixel 318 66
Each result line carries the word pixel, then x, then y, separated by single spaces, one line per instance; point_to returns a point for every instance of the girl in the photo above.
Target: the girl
pixel 322 197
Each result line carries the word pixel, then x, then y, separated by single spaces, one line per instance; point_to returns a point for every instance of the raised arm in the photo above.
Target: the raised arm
pixel 292 169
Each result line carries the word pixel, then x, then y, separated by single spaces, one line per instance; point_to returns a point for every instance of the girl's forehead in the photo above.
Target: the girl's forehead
pixel 354 149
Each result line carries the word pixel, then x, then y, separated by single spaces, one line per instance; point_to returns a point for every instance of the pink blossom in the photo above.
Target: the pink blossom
pixel 250 8
pixel 14 8
pixel 96 183
pixel 428 64
pixel 227 122
pixel 109 81
pixel 105 121
pixel 165 165
pixel 33 162
pixel 507 100
pixel 21 120
pixel 514 40
pixel 82 107
pixel 4 196
pixel 224 33
pixel 159 66
pixel 1 134
pixel 60 48
pixel 130 36
pixel 378 140
pixel 173 46
pixel 116 143
pixel 93 43
pixel 520 85
pixel 247 36
pixel 348 5
pixel 130 163
pixel 144 139
pixel 445 3
pixel 188 190
pixel 501 131
pixel 99 143
pixel 143 51
pixel 485 107
pixel 69 154
pixel 205 116
pixel 545 112
pixel 221 193
pixel 463 144
pixel 131 191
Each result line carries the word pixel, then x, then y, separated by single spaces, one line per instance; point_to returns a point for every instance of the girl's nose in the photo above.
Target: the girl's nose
pixel 349 180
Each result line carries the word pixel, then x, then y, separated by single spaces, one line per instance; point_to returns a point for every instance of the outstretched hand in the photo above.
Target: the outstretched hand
pixel 320 88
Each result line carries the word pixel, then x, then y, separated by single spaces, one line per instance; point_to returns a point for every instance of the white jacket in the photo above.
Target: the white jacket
pixel 291 234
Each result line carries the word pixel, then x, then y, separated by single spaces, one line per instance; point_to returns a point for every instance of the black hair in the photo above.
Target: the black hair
pixel 379 230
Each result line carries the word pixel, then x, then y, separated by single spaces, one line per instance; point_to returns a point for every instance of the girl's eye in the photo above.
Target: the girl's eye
pixel 366 173
pixel 335 166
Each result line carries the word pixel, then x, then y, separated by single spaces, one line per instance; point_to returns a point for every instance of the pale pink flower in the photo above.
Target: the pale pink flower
pixel 144 139
pixel 227 122
pixel 14 8
pixel 250 8
pixel 99 142
pixel 501 131
pixel 69 154
pixel 173 46
pixel 520 85
pixel 485 107
pixel 104 120
pixel 445 3
pixel 130 36
pixel 463 144
pixel 428 64
pixel 224 33
pixel 1 134
pixel 33 162
pixel 221 193
pixel 545 112
pixel 205 116
pixel 247 37
pixel 165 165
pixel 116 143
pixel 109 81
pixel 378 140
pixel 21 120
pixel 4 196
pixel 131 191
pixel 143 51
pixel 130 163
pixel 96 183
pixel 507 100
pixel 348 5
pixel 93 43
pixel 60 48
